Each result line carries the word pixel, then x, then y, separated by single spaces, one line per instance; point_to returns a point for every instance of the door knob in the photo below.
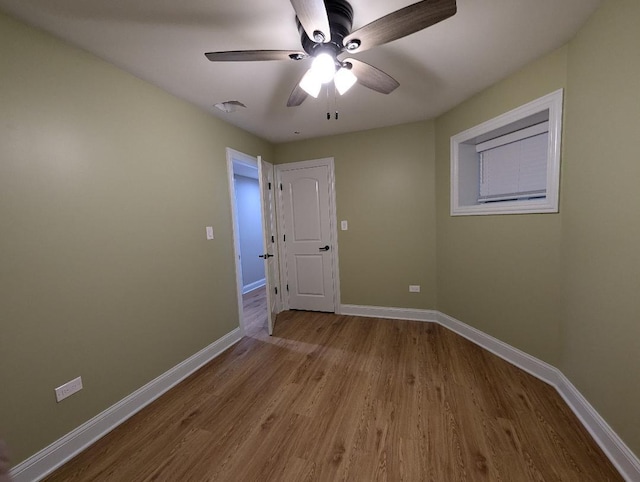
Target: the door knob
pixel 326 248
pixel 265 256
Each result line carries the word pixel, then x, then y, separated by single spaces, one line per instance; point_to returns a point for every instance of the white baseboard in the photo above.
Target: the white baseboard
pixel 522 360
pixel 50 458
pixel 254 286
pixel 620 455
pixel 390 313
pixel 611 444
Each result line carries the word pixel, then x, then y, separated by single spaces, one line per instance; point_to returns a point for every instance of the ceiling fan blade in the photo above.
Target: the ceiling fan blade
pixel 372 77
pixel 297 97
pixel 313 18
pixel 250 55
pixel 399 24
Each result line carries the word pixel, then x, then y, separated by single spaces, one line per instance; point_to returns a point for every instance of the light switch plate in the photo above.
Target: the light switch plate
pixel 414 288
pixel 344 225
pixel 209 232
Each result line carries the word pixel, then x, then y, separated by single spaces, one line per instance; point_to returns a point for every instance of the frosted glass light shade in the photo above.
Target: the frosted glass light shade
pixel 344 80
pixel 311 84
pixel 324 68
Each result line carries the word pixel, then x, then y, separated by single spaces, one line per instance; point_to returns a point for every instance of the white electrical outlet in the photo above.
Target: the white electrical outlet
pixel 414 288
pixel 69 388
pixel 209 232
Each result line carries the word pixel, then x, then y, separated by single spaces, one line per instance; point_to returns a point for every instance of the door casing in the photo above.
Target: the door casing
pixel 238 156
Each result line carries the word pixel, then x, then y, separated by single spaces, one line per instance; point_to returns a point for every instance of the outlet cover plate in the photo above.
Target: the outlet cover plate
pixel 69 388
pixel 414 288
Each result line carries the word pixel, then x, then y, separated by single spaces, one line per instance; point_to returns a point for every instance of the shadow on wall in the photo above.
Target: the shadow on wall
pixel 4 463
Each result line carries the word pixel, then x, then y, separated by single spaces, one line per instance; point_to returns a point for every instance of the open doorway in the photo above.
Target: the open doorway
pixel 248 234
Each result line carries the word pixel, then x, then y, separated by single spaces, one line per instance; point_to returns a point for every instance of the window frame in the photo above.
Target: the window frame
pixel 463 157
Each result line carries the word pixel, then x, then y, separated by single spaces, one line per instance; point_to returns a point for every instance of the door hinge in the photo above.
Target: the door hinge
pixel 269 186
pixel 273 240
pixel 276 288
pixel 281 186
pixel 284 238
pixel 287 288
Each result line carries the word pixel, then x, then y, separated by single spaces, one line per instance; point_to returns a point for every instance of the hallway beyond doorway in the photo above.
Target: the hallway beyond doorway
pixel 255 312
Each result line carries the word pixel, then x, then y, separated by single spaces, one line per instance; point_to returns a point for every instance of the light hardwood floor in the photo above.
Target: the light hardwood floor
pixel 254 305
pixel 346 398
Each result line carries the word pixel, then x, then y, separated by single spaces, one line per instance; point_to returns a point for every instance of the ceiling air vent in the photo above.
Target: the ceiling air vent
pixel 230 106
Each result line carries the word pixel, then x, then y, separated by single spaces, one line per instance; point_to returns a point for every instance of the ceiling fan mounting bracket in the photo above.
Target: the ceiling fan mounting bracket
pixel 340 15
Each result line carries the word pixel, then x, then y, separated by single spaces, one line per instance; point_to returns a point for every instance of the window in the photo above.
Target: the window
pixel 510 164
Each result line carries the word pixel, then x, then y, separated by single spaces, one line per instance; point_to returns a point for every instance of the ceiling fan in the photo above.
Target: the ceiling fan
pixel 325 34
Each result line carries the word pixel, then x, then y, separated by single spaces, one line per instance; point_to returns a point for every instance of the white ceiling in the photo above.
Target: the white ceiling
pixel 163 42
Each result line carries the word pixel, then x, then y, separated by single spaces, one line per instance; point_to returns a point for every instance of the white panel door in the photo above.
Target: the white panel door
pixel 270 253
pixel 306 229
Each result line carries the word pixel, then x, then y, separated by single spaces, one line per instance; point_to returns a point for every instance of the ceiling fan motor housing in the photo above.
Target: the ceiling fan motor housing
pixel 340 15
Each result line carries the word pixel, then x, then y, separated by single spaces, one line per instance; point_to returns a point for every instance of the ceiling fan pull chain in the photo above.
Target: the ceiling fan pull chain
pixel 328 104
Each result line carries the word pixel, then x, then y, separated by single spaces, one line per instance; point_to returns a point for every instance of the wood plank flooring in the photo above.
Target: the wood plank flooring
pixel 254 305
pixel 331 398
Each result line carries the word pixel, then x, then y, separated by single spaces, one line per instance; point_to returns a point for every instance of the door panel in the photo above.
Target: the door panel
pixel 306 267
pixel 270 235
pixel 305 203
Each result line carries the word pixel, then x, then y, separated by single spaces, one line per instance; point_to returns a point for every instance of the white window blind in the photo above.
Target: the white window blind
pixel 514 166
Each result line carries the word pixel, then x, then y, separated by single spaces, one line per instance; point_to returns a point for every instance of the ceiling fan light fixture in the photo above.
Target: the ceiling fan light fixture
pixel 324 67
pixel 344 80
pixel 311 84
pixel 322 71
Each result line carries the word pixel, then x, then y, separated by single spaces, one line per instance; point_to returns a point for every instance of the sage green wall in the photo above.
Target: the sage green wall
pixel 501 274
pixel 562 287
pixel 601 217
pixel 106 186
pixel 385 189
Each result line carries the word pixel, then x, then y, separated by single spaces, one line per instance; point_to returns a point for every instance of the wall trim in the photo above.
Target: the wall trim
pixel 532 365
pixel 389 313
pixel 254 286
pixel 611 444
pixel 50 458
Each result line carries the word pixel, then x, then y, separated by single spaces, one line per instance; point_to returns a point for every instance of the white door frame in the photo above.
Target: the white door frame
pixel 233 155
pixel 328 161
